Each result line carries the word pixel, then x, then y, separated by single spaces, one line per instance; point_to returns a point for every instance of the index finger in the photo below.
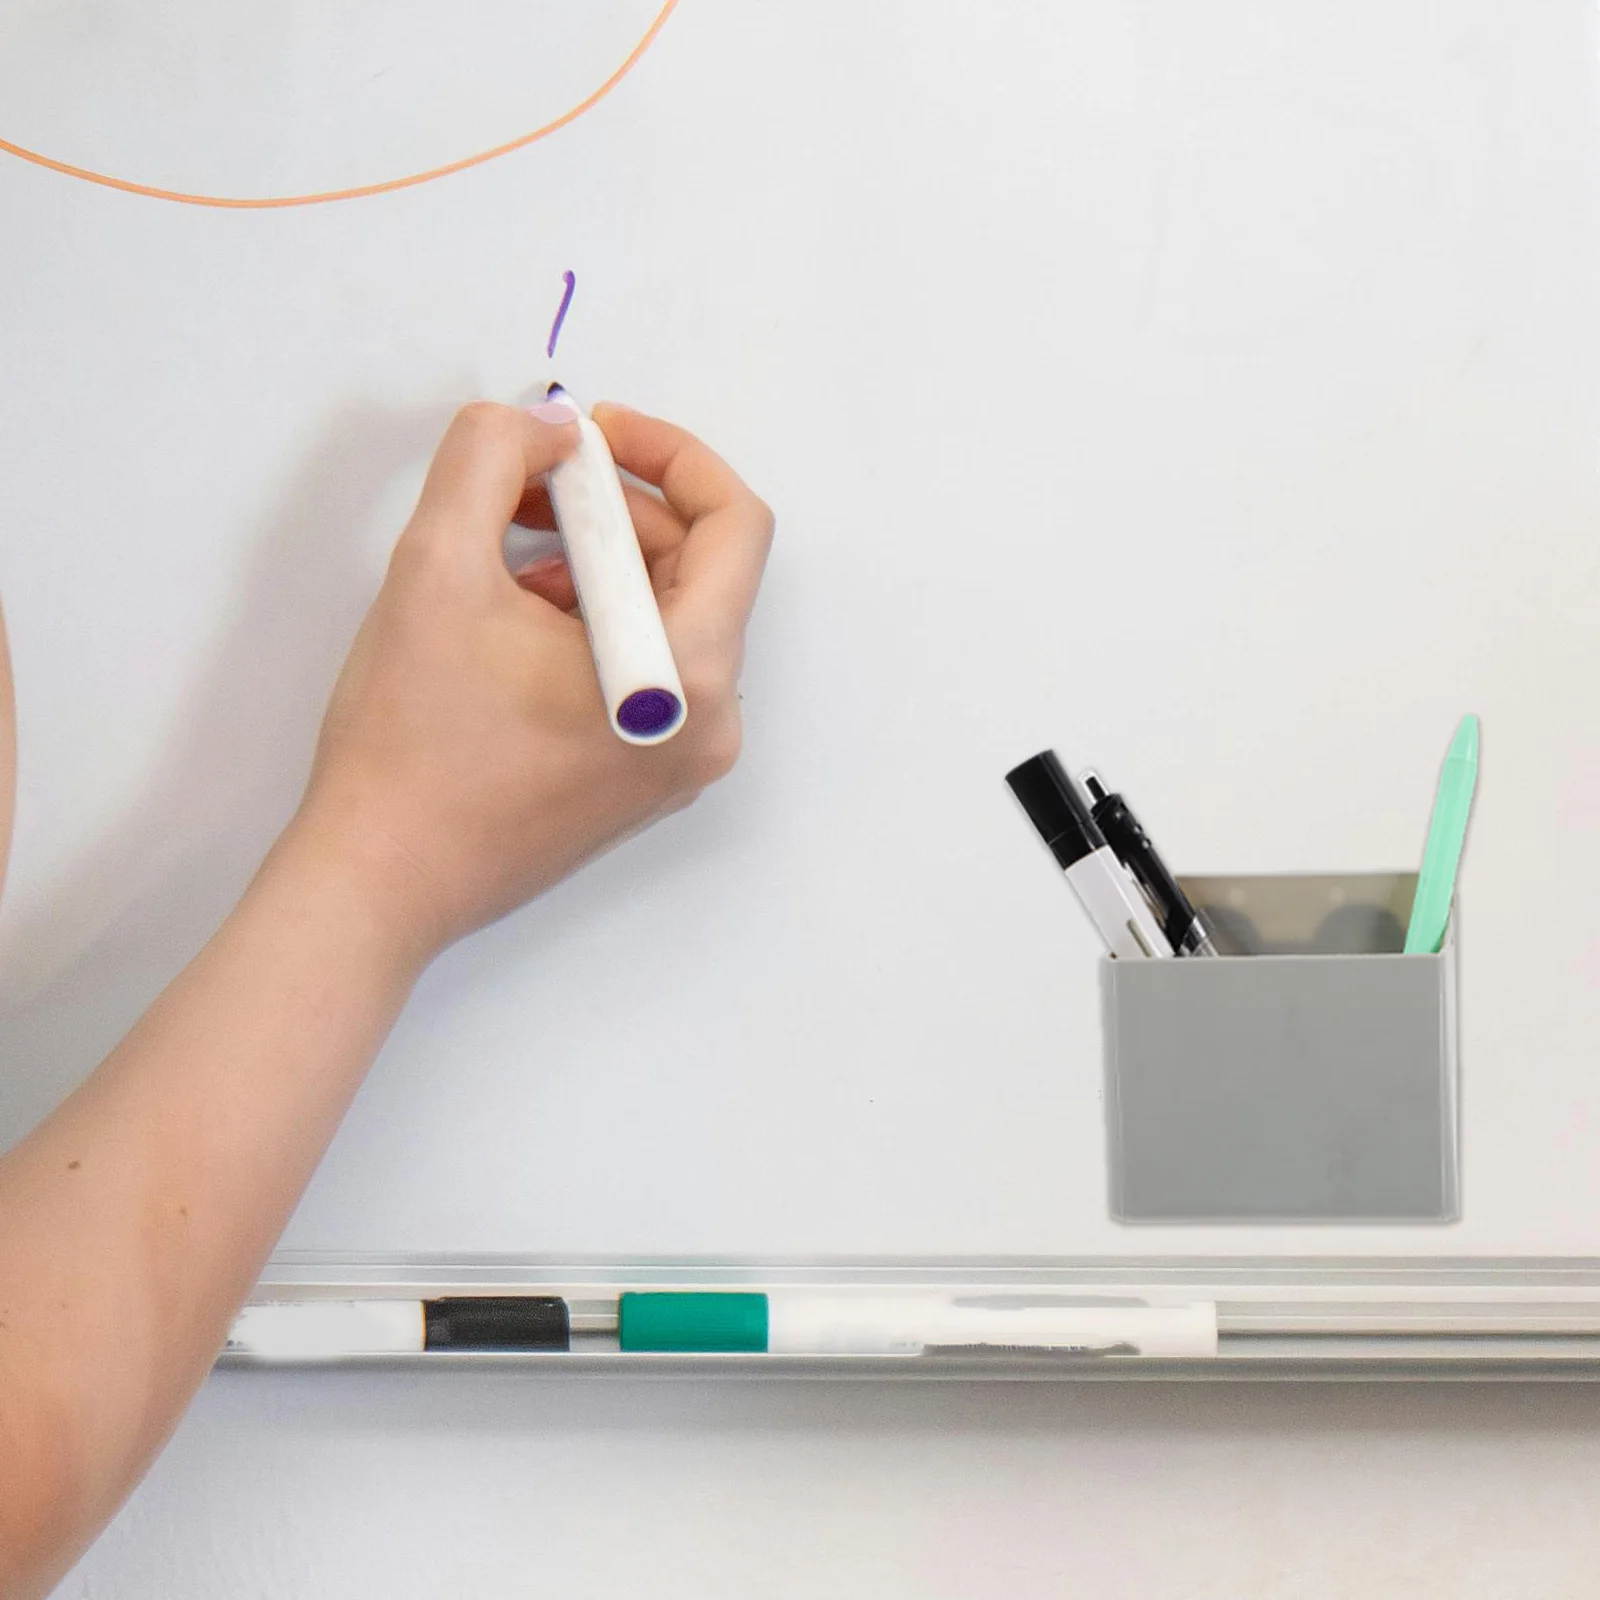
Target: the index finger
pixel 730 527
pixel 694 478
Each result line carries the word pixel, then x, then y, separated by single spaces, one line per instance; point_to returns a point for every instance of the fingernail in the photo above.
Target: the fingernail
pixel 541 568
pixel 538 574
pixel 557 409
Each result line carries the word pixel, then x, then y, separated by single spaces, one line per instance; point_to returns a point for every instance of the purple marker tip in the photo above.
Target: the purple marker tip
pixel 647 712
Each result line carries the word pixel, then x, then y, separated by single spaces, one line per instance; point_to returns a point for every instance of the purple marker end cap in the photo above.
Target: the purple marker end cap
pixel 649 712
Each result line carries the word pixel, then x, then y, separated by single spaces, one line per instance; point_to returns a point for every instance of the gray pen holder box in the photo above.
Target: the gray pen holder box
pixel 1309 1074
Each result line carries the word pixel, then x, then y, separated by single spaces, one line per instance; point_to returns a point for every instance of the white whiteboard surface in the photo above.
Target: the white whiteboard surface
pixel 362 1488
pixel 1283 326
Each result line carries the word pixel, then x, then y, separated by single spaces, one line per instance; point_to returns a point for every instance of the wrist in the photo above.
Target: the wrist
pixel 327 870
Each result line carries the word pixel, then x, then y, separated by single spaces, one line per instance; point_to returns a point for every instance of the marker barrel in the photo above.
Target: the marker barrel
pixel 638 677
pixel 317 1330
pixel 1117 906
pixel 802 1324
pixel 1123 831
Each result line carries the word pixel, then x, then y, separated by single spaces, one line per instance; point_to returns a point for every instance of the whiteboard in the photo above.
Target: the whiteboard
pixel 1208 392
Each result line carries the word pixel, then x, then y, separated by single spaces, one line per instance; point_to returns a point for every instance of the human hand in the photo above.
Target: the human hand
pixel 466 762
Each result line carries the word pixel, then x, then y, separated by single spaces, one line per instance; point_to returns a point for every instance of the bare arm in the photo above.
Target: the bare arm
pixel 8 751
pixel 133 1221
pixel 465 765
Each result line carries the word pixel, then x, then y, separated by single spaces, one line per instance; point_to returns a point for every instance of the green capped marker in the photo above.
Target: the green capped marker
pixel 827 1322
pixel 1441 857
pixel 692 1321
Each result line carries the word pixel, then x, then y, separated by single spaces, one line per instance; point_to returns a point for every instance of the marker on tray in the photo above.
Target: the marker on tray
pixel 805 1322
pixel 1115 903
pixel 793 1322
pixel 324 1330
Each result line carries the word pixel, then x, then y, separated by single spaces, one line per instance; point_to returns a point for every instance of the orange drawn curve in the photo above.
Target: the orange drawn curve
pixel 362 191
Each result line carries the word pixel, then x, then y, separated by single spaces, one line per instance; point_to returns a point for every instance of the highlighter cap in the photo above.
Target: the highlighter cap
pixel 1056 808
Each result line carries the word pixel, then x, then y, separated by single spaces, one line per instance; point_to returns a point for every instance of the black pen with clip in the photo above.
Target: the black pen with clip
pixel 1181 923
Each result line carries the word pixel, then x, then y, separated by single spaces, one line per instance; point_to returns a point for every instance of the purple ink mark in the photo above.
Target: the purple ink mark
pixel 647 712
pixel 571 281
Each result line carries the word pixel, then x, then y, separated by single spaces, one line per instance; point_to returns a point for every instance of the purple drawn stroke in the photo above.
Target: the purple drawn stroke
pixel 571 281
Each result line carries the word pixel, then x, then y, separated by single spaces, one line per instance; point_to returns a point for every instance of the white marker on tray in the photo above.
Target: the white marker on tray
pixel 638 677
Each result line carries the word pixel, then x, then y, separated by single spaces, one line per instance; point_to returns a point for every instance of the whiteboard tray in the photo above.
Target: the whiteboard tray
pixel 1468 1319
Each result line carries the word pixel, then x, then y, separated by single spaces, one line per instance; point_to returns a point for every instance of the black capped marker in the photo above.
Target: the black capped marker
pixel 1181 923
pixel 324 1330
pixel 1115 903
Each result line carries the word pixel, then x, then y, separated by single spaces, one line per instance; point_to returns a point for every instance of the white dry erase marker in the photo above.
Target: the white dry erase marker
pixel 638 677
pixel 1115 903
pixel 804 1322
pixel 326 1330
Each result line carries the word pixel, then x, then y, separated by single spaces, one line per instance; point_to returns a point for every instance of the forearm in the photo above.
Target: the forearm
pixel 467 744
pixel 134 1220
pixel 8 750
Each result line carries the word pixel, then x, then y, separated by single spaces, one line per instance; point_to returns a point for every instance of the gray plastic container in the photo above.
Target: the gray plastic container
pixel 1308 1074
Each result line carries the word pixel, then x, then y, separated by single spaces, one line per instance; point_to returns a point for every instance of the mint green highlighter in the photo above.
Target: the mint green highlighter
pixel 1441 857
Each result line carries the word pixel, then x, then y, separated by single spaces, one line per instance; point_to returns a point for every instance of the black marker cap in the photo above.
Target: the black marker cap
pixel 1055 808
pixel 497 1322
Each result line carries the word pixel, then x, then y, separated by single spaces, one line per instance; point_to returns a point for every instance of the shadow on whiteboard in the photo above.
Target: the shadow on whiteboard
pixel 78 967
pixel 284 1410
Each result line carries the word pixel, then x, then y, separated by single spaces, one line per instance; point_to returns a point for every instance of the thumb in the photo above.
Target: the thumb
pixel 482 467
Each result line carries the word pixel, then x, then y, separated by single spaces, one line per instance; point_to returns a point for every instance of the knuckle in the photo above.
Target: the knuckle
pixel 719 746
pixel 764 516
pixel 709 683
pixel 485 419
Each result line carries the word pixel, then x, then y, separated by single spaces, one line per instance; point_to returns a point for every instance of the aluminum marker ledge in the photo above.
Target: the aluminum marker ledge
pixel 1465 1319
